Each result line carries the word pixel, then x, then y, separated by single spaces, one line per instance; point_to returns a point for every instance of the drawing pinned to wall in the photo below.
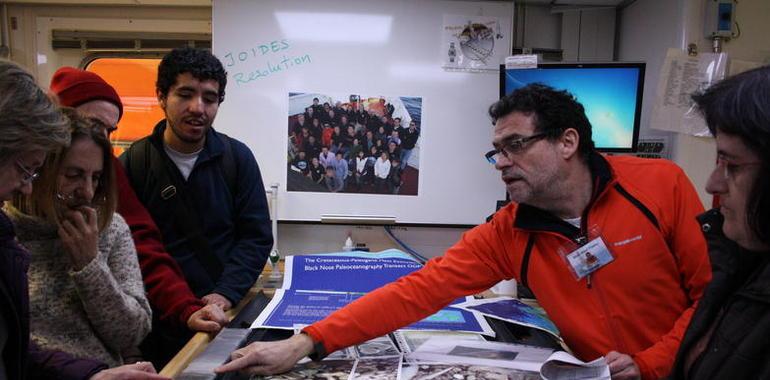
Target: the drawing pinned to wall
pixel 350 143
pixel 472 43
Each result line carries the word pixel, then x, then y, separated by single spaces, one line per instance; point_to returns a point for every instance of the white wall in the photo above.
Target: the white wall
pixel 588 34
pixel 314 238
pixel 402 58
pixel 639 39
pixel 649 27
pixel 537 27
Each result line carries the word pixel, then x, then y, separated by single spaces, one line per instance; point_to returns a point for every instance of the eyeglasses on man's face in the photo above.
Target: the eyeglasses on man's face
pixel 730 168
pixel 27 176
pixel 512 147
pixel 102 126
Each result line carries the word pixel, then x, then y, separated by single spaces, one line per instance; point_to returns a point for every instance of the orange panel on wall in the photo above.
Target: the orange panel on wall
pixel 134 80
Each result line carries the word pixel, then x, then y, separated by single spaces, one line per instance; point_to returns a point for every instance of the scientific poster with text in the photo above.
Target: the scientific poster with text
pixel 348 271
pixel 317 285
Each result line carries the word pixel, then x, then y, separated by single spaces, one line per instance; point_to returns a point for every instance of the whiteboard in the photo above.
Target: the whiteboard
pixel 391 49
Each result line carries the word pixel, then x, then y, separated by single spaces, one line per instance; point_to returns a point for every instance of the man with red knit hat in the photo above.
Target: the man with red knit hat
pixel 89 94
pixel 175 307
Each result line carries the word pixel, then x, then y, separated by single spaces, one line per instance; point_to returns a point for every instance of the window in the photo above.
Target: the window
pixel 134 80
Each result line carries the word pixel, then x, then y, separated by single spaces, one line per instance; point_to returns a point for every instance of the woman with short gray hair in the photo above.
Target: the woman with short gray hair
pixel 30 124
pixel 30 127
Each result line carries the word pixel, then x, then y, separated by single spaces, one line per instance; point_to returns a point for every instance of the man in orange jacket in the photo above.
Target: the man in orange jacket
pixel 609 246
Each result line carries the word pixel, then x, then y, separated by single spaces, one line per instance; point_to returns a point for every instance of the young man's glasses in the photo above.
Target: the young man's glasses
pixel 512 147
pixel 730 168
pixel 27 175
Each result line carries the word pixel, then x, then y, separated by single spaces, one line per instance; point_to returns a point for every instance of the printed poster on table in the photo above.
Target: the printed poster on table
pixel 317 285
pixel 291 309
pixel 359 272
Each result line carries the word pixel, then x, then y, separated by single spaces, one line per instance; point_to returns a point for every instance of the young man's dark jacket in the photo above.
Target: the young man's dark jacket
pixel 236 226
pixel 737 304
pixel 23 359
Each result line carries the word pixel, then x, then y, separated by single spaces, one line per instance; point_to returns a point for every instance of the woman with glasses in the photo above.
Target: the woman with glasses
pixel 30 127
pixel 729 334
pixel 86 291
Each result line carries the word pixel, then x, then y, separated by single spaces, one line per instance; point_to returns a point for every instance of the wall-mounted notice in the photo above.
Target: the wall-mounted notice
pixel 473 43
pixel 682 76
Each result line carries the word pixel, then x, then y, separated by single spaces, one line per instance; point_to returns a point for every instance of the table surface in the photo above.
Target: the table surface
pixel 265 283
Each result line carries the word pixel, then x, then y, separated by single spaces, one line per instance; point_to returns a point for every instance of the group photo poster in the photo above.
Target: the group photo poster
pixel 353 143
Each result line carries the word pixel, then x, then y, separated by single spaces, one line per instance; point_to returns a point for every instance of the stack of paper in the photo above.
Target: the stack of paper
pixel 445 356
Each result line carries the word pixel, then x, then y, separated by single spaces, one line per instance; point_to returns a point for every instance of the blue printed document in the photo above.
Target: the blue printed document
pixel 347 271
pixel 317 285
pixel 512 310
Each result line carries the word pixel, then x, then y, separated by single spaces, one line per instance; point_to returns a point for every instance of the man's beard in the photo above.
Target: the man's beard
pixel 188 140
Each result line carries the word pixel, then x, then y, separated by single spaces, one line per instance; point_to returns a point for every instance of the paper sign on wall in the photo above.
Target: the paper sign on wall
pixel 472 43
pixel 681 76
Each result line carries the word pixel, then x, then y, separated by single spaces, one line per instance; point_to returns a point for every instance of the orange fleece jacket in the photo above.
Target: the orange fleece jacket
pixel 640 304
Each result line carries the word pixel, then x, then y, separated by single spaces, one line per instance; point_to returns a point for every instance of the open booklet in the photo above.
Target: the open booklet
pixel 424 355
pixel 316 285
pixel 527 362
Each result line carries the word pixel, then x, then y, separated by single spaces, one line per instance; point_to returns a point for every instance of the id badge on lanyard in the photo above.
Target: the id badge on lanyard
pixel 588 258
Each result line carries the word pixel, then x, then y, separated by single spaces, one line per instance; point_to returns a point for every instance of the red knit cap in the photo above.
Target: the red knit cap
pixel 75 87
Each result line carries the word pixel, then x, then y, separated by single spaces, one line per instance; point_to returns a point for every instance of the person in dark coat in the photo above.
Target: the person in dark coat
pixel 729 333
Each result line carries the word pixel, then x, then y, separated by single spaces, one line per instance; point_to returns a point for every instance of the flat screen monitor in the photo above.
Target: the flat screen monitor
pixel 611 94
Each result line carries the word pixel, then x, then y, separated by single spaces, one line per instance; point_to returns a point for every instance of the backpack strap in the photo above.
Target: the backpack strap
pixel 145 159
pixel 135 160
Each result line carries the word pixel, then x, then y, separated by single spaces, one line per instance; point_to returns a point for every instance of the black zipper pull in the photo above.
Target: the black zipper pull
pixel 588 281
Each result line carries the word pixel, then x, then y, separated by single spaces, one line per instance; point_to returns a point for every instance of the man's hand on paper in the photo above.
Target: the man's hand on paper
pixel 136 371
pixel 217 299
pixel 210 318
pixel 268 358
pixel 622 366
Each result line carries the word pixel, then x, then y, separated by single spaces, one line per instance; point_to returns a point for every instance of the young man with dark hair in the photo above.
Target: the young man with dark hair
pixel 635 216
pixel 203 189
